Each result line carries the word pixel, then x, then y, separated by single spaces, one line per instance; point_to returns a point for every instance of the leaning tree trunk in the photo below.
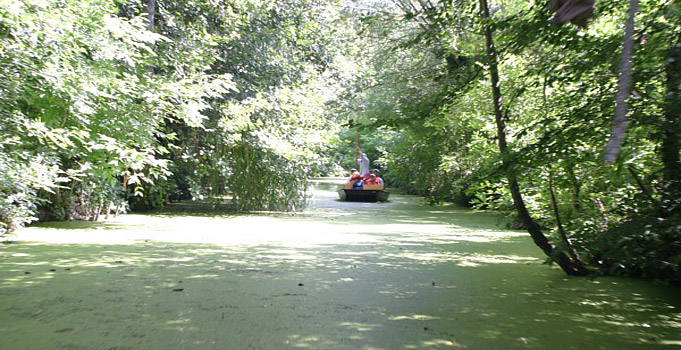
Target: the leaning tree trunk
pixel 568 265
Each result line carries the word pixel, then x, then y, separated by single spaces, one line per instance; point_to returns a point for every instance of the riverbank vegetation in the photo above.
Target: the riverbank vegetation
pixel 128 105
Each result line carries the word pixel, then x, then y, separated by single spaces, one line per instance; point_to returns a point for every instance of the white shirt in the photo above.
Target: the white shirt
pixel 364 164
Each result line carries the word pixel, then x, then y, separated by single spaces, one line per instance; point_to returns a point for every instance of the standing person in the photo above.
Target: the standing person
pixel 378 178
pixel 363 164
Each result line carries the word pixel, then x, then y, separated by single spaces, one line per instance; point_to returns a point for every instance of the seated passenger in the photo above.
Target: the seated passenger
pixel 356 182
pixel 353 171
pixel 373 180
pixel 378 179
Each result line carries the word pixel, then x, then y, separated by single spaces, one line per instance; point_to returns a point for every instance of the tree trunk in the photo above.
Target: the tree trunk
pixel 568 265
pixel 97 212
pixel 559 224
pixel 576 189
pixel 604 214
pixel 620 122
pixel 671 128
pixel 151 10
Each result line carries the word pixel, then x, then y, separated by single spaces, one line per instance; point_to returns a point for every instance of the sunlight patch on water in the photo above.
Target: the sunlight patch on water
pixel 308 342
pixel 413 317
pixel 438 343
pixel 360 327
pixel 259 230
pixel 289 257
pixel 203 276
pixel 671 342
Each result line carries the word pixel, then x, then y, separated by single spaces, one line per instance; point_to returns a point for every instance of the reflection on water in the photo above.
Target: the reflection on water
pixel 341 275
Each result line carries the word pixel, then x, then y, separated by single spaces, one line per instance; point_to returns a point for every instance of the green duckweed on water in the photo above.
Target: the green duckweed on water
pixel 341 275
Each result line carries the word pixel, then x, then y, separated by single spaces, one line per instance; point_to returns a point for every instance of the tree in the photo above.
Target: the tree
pixel 570 264
pixel 551 98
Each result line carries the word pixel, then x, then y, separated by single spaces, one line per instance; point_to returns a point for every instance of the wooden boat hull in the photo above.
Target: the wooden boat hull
pixel 366 195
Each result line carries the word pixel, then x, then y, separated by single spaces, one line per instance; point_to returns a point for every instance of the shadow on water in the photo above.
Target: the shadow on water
pixel 396 275
pixel 78 225
pixel 202 208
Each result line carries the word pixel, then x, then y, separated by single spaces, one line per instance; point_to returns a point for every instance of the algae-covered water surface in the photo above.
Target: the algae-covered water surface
pixel 341 275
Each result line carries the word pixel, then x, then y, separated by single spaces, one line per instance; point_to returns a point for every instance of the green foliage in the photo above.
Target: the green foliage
pixel 429 106
pixel 258 143
pixel 267 182
pixel 643 238
pixel 22 178
pixel 211 99
pixel 73 96
pixel 246 99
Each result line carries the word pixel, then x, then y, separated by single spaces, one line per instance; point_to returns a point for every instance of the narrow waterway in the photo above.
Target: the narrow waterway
pixel 341 275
